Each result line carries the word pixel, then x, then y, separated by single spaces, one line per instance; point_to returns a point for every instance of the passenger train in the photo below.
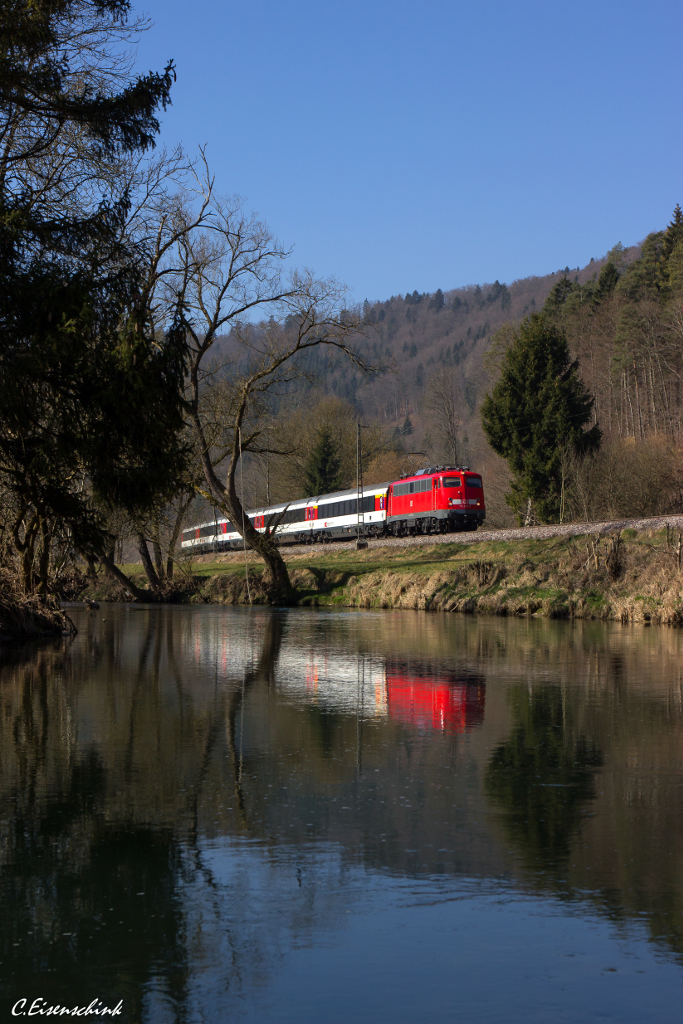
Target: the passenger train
pixel 433 500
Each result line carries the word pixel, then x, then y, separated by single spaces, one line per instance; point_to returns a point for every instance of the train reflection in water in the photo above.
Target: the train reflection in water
pixel 426 697
pixel 431 694
pixel 429 697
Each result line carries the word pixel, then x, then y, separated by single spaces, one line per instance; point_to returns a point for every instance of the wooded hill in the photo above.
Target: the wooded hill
pixel 416 336
pixel 622 314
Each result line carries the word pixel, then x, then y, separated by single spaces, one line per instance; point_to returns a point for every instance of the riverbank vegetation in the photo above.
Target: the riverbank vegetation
pixel 626 576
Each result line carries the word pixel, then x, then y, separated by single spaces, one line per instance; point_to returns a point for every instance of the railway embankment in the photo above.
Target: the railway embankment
pixel 603 571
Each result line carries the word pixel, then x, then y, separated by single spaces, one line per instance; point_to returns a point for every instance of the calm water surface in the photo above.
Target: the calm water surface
pixel 250 815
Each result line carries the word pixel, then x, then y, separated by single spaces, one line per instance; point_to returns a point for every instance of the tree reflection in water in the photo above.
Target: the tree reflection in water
pixel 543 776
pixel 187 795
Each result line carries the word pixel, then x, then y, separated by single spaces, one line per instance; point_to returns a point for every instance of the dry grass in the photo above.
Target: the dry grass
pixel 632 578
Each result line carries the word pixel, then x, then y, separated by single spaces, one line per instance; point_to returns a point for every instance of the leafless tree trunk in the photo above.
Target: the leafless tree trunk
pixel 212 266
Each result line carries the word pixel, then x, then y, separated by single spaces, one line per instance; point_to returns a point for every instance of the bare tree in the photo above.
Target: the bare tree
pixel 444 401
pixel 273 360
pixel 211 268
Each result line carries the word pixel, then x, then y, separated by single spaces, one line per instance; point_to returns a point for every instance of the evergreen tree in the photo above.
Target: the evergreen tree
pixel 91 397
pixel 643 278
pixel 323 469
pixel 437 301
pixel 407 427
pixel 675 271
pixel 559 293
pixel 539 407
pixel 673 234
pixel 499 291
pixel 607 282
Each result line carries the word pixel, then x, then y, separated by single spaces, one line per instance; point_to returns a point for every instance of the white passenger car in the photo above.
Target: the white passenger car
pixel 309 520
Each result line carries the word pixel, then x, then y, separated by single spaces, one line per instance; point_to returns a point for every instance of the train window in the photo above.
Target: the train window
pixel 294 515
pixel 452 481
pixel 473 481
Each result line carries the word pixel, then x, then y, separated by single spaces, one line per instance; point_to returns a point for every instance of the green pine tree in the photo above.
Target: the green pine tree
pixel 673 234
pixel 539 407
pixel 323 469
pixel 643 278
pixel 92 401
pixel 559 294
pixel 607 282
pixel 437 301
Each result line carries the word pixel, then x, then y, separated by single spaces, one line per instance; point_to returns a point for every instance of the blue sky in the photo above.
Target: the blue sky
pixel 399 145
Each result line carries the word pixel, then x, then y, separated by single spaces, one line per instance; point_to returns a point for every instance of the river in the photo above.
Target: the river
pixel 231 814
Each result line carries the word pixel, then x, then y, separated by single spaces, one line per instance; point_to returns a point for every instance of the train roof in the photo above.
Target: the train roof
pixel 432 470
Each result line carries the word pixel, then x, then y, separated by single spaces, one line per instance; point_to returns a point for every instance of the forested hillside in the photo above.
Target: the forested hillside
pixel 439 356
pixel 430 350
pixel 414 338
pixel 420 335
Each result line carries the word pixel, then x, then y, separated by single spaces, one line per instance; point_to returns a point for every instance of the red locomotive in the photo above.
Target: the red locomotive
pixel 435 501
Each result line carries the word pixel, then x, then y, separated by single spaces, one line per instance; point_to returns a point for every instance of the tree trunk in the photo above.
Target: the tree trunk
pixel 276 579
pixel 177 526
pixel 44 562
pixel 147 561
pixel 27 550
pixel 156 548
pixel 135 591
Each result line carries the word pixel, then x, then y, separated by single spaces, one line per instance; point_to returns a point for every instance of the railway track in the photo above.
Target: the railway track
pixel 516 533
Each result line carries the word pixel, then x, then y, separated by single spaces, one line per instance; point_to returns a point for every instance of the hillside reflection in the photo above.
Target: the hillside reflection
pixel 186 792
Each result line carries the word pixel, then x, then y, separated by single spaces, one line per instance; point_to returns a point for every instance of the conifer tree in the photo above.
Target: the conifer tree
pixel 607 282
pixel 673 234
pixel 91 398
pixel 437 302
pixel 323 469
pixel 559 294
pixel 538 407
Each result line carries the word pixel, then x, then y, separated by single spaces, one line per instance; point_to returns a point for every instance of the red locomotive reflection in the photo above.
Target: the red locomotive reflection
pixel 432 701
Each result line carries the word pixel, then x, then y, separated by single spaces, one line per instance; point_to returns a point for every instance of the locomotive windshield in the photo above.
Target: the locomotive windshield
pixel 474 481
pixel 452 481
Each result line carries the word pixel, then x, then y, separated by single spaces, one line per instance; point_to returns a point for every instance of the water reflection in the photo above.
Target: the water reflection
pixel 543 776
pixel 426 696
pixel 190 797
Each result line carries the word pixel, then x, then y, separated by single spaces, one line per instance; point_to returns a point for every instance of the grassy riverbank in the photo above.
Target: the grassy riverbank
pixel 631 577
